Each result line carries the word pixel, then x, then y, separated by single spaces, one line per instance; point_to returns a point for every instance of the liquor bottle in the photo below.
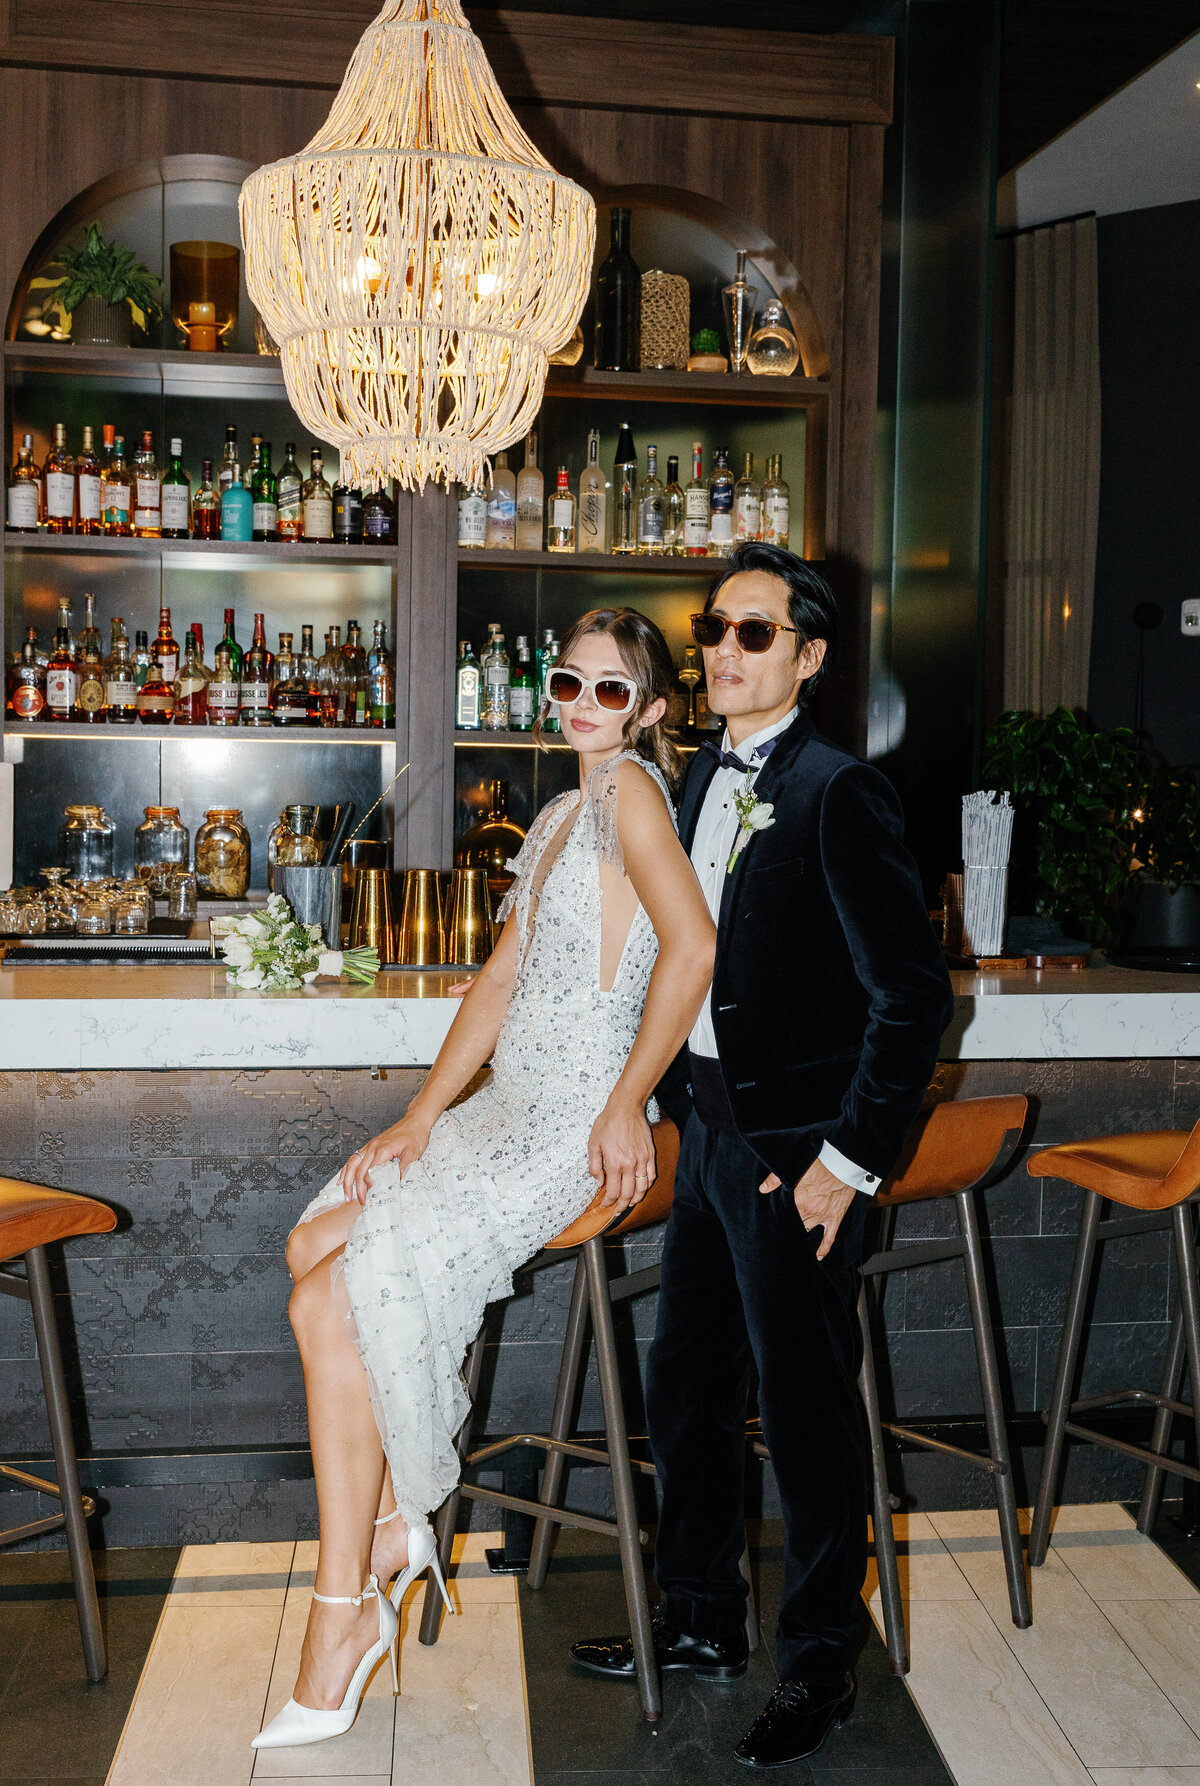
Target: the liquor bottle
pixel 747 503
pixel 155 698
pixel 206 506
pixel 64 621
pixel 496 672
pixel 27 698
pixel 59 477
pixel 264 499
pixel 24 487
pixel 141 658
pixel 318 503
pixel 593 500
pixel 147 512
pixel 254 705
pixel 618 300
pixel 62 679
pixel 706 719
pixel 560 529
pixel 521 690
pixel 237 512
pixel 531 499
pixel 379 518
pixel 120 680
pixel 164 651
pixel 472 517
pixel 689 674
pixel 625 493
pixel 651 519
pixel 285 661
pixel 545 659
pixel 231 471
pixel 87 487
pixel 501 530
pixel 332 681
pixel 289 496
pixel 117 494
pixel 293 702
pixel 89 638
pixel 224 690
pixel 467 717
pixel 673 511
pixel 307 661
pixel 381 680
pixel 176 497
pixel 356 676
pixel 348 524
pixel 777 504
pixel 255 466
pixel 229 641
pixel 191 685
pixel 695 508
pixel 720 507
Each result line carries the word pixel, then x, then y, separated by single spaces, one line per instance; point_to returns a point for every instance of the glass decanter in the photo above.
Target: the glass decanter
pixel 738 302
pixel 774 351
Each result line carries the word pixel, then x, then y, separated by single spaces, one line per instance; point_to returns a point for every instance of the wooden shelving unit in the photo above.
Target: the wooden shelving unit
pixel 218 554
pixel 625 564
pixel 70 732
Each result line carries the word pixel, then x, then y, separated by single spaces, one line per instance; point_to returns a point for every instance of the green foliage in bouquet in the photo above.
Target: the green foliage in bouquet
pixel 269 951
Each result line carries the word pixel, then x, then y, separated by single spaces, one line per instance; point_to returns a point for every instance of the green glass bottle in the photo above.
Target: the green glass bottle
pixel 175 496
pixel 264 495
pixel 521 690
pixel 547 657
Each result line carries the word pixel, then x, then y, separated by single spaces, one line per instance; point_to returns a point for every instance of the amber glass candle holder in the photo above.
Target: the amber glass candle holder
pixel 205 281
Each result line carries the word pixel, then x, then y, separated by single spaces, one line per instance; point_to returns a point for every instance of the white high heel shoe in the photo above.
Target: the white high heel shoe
pixel 297 1725
pixel 422 1555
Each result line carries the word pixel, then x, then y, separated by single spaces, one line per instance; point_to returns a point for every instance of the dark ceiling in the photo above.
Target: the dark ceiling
pixel 1059 57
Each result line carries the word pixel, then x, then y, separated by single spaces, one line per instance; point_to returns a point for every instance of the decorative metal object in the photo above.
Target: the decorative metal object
pixel 419 261
pixel 470 936
pixel 422 938
pixel 371 922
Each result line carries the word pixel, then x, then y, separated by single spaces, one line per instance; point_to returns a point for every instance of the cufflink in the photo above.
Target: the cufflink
pixel 871 1178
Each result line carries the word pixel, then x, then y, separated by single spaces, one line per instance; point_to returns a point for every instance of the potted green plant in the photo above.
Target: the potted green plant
pixel 104 290
pixel 1161 909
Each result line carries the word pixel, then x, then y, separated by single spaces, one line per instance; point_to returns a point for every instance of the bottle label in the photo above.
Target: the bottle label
pixel 175 507
pixel 263 518
pixel 520 705
pixel 695 518
pixel 28 701
pixel 120 692
pixel 61 687
pixel 149 493
pixel 501 519
pixel 116 501
pixel 593 521
pixel 60 495
pixel 466 702
pixel 23 505
pixel 777 522
pixel 650 521
pixel 287 714
pixel 748 517
pixel 721 528
pixel 156 702
pixel 318 518
pixel 498 676
pixel 168 663
pixel 91 694
pixel 560 513
pixel 472 521
pixel 224 698
pixel 255 697
pixel 378 524
pixel 89 496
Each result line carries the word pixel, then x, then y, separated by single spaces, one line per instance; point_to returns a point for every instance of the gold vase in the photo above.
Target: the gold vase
pixel 422 939
pixel 470 937
pixel 371 922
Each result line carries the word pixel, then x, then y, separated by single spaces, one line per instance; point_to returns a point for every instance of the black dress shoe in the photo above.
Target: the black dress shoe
pixel 613 1656
pixel 796 1720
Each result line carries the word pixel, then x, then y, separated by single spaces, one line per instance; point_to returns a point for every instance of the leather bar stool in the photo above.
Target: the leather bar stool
pixel 1155 1176
pixel 31 1217
pixel 592 1299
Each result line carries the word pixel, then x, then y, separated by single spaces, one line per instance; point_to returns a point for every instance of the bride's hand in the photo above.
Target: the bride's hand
pixel 404 1142
pixel 621 1154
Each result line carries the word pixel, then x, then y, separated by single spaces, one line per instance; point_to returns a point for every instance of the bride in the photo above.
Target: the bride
pixel 594 985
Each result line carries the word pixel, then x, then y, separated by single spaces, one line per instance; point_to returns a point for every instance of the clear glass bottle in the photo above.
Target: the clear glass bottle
pixel 773 351
pixel 496 677
pixel 294 701
pixel 191 685
pixel 318 504
pixel 147 479
pixel 285 661
pixel 381 681
pixel 88 517
pixel 332 681
pixel 223 855
pixel 560 527
pixel 618 301
pixel 231 470
pixel 176 497
pixel 738 299
pixel 117 494
pixel 160 843
pixel 264 500
pixel 24 487
pixel 747 503
pixel 593 500
pixel 224 690
pixel 289 498
pixel 500 533
pixel 472 517
pixel 695 508
pixel 255 699
pixel 89 637
pixel 379 518
pixel 625 480
pixel 521 691
pixel 89 698
pixel 651 517
pixel 673 511
pixel 777 504
pixel 720 506
pixel 467 683
pixel 545 658
pixel 58 476
pixel 531 500
pixel 165 651
pixel 206 506
pixel 307 662
pixel 62 679
pixel 356 676
pixel 155 698
pixel 120 681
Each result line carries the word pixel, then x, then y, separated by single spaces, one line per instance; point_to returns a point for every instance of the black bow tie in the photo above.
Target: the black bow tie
pixel 729 759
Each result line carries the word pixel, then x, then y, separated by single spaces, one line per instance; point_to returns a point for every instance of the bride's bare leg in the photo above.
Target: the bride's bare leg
pixel 348 1465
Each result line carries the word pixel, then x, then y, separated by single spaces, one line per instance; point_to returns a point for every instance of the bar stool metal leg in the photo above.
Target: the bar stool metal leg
pixel 1152 1492
pixel 890 1598
pixel 632 1566
pixel 574 1345
pixel 447 1519
pixel 993 1412
pixel 1074 1319
pixel 62 1439
pixel 1189 1298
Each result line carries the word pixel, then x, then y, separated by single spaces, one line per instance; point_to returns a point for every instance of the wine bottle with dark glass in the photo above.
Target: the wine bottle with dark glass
pixel 618 301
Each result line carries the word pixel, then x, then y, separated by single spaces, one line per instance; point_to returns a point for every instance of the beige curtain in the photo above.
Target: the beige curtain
pixel 1054 468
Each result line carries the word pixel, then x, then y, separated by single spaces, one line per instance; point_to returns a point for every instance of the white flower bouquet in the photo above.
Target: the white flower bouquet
pixel 271 952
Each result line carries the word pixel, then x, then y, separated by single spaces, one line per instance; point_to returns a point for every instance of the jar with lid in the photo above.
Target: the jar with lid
pixel 223 855
pixel 159 843
pixel 85 844
pixel 293 842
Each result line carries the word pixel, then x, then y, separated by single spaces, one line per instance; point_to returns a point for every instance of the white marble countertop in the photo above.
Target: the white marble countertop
pixel 187 1016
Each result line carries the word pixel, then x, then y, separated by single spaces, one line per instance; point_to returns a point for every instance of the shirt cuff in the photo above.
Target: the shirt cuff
pixel 847 1171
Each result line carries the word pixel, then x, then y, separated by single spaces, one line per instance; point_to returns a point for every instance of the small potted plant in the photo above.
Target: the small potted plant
pixel 104 291
pixel 1161 910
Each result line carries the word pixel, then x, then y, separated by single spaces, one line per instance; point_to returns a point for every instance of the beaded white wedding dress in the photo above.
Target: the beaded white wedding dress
pixel 506 1169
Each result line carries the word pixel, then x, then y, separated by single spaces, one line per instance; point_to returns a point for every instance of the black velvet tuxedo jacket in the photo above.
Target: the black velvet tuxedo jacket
pixel 830 993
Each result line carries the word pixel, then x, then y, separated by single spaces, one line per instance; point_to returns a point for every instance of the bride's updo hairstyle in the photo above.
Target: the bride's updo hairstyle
pixel 647 659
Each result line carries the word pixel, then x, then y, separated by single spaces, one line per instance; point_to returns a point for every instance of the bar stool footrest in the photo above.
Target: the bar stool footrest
pixel 558 1516
pixel 592 1452
pixel 1145 1397
pixel 52 1521
pixel 1154 1459
pixel 979 1459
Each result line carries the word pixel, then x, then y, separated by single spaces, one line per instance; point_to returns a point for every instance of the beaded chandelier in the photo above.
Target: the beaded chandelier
pixel 419 261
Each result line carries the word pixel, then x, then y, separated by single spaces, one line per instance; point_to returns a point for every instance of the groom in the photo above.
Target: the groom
pixel 806 1069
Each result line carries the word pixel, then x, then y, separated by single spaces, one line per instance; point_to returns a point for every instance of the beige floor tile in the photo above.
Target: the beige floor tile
pixel 328 1780
pixel 927 1570
pixel 461 1714
pixel 470 1579
pixel 1165 1637
pixel 991 1726
pixel 1092 1516
pixel 200 1698
pixel 1114 1561
pixel 233 1574
pixel 1146 1776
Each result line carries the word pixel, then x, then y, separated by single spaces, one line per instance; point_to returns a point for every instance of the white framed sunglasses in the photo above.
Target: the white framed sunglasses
pixel 612 694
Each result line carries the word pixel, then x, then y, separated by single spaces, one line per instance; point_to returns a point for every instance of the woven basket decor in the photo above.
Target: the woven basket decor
pixel 666 321
pixel 419 261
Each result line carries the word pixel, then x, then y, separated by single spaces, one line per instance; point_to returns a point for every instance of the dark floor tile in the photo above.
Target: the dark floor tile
pixel 590 1778
pixel 874 1776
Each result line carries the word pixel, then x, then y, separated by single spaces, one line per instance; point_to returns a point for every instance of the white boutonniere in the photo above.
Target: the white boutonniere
pixel 753 815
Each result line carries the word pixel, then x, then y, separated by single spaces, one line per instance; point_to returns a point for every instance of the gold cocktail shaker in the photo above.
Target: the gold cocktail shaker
pixel 372 925
pixel 422 938
pixel 470 936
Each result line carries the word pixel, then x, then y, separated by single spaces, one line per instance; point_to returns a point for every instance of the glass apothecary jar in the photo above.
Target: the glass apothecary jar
pixel 159 843
pixel 773 350
pixel 85 844
pixel 223 855
pixel 293 842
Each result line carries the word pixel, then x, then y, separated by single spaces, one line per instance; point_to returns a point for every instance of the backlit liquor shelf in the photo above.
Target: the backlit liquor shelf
pixel 71 731
pixel 211 554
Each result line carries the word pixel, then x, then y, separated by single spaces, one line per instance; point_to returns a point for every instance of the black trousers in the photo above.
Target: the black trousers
pixel 742 1290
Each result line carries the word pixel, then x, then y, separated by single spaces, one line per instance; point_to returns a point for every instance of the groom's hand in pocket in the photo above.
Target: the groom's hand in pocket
pixel 621 1153
pixel 821 1201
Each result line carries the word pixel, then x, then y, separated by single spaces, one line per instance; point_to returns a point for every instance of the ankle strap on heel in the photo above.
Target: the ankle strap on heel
pixel 370 1592
pixel 388 1517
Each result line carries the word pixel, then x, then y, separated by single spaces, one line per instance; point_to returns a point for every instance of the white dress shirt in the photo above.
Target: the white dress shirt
pixel 716 832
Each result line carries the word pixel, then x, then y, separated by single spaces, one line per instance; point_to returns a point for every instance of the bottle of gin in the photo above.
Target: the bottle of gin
pixel 147 514
pixel 531 500
pixel 59 477
pixel 87 483
pixel 521 690
pixel 176 497
pixel 501 530
pixel 777 504
pixel 467 715
pixel 673 511
pixel 546 658
pixel 472 517
pixel 496 675
pixel 318 503
pixel 747 503
pixel 206 506
pixel 593 500
pixel 625 493
pixel 650 508
pixel 560 534
pixel 695 508
pixel 720 507
pixel 289 498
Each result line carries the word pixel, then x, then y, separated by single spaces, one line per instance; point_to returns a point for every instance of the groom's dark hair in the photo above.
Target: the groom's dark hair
pixel 812 605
